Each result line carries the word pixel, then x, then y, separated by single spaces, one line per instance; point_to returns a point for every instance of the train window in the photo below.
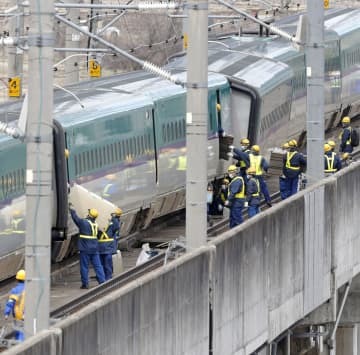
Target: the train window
pixel 138 143
pixel 123 154
pixel 168 134
pixel 92 160
pixel 116 151
pixel 176 133
pixel 127 145
pixel 83 165
pixel 142 144
pixel 86 161
pixel 172 131
pixel 112 152
pixel 148 141
pixel 105 161
pixel 163 133
pixel 76 163
pixel 134 149
pixel 79 164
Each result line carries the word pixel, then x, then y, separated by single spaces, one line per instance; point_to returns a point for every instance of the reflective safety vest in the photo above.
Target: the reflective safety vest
pixel 239 194
pixel 106 190
pixel 19 306
pixel 15 225
pixel 288 165
pixel 256 194
pixel 341 134
pixel 94 231
pixel 181 163
pixel 242 163
pixel 104 238
pixel 255 162
pixel 329 168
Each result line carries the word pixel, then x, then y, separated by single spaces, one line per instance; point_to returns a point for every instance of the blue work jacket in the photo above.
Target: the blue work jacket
pixel 88 230
pixel 108 241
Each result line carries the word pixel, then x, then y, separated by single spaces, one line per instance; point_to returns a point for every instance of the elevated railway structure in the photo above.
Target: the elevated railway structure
pixel 278 276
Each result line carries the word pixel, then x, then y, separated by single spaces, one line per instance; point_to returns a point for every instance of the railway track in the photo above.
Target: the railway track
pixel 174 248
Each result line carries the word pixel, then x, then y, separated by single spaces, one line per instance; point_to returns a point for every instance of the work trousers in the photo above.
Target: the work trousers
pixel 107 264
pixel 236 213
pixel 290 186
pixel 85 259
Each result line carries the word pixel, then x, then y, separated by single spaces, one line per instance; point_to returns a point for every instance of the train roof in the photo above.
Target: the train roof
pixel 106 96
pixel 289 23
pixel 345 23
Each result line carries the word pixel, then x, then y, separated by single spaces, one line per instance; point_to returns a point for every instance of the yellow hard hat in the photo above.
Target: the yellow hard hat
pixel 345 119
pixel 285 145
pixel 225 181
pixel 20 275
pixel 93 212
pixel 118 211
pixel 244 141
pixel 232 168
pixel 345 156
pixel 332 144
pixel 111 176
pixel 292 143
pixel 255 148
pixel 327 148
pixel 251 170
pixel 16 213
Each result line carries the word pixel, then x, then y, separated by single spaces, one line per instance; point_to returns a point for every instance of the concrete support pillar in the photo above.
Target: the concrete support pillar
pixel 347 340
pixel 72 40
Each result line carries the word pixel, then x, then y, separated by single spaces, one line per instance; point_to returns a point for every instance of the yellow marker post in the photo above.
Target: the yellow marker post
pixel 326 4
pixel 94 68
pixel 185 41
pixel 14 87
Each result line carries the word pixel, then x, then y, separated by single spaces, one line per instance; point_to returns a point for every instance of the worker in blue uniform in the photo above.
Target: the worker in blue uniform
pixel 108 241
pixel 332 161
pixel 293 164
pixel 282 178
pixel 261 166
pixel 253 193
pixel 242 156
pixel 15 305
pixel 88 246
pixel 332 145
pixel 345 136
pixel 236 196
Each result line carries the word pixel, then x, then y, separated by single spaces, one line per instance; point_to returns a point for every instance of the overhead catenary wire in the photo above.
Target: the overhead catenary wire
pixel 272 28
pixel 145 65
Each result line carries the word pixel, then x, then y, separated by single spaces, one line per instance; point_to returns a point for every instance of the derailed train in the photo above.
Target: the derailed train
pixel 127 140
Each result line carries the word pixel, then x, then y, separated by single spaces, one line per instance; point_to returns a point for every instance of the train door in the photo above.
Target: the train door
pixel 244 112
pixel 332 81
pixel 60 181
pixel 155 146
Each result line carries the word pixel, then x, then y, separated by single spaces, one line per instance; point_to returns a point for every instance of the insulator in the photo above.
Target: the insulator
pixel 152 68
pixel 156 5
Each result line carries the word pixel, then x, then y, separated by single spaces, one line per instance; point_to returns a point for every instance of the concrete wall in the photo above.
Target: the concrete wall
pixel 259 279
pixel 346 236
pixel 163 313
pixel 262 268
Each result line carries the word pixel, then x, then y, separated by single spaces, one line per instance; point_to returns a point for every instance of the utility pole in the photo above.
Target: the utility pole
pixel 15 54
pixel 72 40
pixel 315 91
pixel 196 123
pixel 39 163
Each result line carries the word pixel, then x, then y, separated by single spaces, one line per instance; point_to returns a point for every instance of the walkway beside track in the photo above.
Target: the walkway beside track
pixel 259 279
